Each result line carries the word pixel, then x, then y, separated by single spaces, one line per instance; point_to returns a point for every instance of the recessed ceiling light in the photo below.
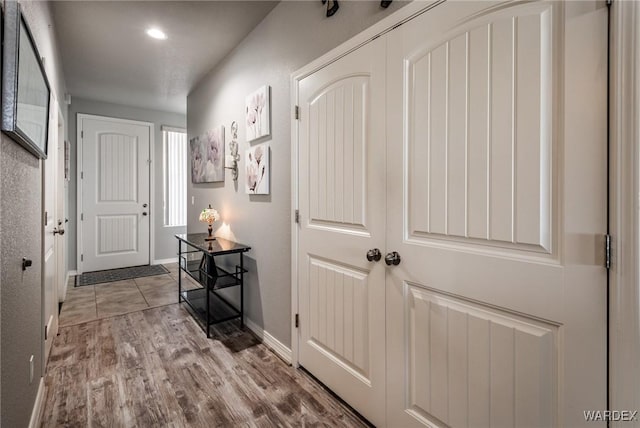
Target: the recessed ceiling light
pixel 156 34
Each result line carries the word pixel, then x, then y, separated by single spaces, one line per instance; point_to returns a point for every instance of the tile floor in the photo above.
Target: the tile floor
pixel 91 302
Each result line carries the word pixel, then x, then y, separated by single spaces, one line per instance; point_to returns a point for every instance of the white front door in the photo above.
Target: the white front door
pixel 50 248
pixel 114 174
pixel 342 207
pixel 496 146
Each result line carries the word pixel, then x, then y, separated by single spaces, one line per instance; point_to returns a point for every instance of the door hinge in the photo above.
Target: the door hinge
pixel 81 134
pixel 297 322
pixel 297 216
pixel 607 251
pixel 46 331
pixel 81 175
pixel 81 216
pixel 81 257
pixel 296 112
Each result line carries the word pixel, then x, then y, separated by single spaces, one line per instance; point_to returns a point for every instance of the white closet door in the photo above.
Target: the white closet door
pixel 496 144
pixel 115 193
pixel 342 208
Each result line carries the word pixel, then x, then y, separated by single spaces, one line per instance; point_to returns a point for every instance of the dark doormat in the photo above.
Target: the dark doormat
pixel 90 278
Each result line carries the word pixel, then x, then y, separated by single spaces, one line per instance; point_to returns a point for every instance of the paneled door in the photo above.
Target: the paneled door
pixel 496 148
pixel 342 210
pixel 115 209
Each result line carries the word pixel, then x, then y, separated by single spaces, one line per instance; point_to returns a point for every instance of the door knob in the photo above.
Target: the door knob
pixel 144 205
pixel 144 213
pixel 374 255
pixel 56 231
pixel 26 263
pixel 392 258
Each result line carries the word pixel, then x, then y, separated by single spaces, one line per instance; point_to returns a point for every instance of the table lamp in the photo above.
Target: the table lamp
pixel 210 216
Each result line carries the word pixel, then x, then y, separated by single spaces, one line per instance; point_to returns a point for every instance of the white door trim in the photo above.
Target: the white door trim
pixel 381 27
pixel 152 202
pixel 624 276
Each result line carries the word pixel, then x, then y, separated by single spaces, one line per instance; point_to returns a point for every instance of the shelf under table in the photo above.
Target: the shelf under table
pixel 225 279
pixel 219 309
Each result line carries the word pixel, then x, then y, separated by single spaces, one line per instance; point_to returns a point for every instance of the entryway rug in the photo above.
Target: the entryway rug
pixel 98 277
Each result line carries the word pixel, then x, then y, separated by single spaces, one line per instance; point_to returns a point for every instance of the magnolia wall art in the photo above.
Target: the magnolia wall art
pixel 257 113
pixel 207 156
pixel 257 170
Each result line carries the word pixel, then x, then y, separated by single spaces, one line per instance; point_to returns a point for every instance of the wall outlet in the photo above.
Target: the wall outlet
pixel 31 369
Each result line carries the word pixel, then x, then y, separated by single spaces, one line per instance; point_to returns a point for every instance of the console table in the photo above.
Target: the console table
pixel 197 258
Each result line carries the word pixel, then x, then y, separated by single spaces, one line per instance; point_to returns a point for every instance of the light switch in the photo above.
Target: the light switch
pixel 193 200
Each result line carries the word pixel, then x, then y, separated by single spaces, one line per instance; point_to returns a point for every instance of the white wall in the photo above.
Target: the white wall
pixel 165 246
pixel 292 35
pixel 21 317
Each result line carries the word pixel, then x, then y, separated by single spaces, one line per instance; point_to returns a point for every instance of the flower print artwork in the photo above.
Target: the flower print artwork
pixel 257 113
pixel 207 156
pixel 257 170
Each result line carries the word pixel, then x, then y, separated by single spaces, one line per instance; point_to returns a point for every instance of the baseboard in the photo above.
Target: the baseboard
pixel 66 282
pixel 165 261
pixel 36 413
pixel 272 343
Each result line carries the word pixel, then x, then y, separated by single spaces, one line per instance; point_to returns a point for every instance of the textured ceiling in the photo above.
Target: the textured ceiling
pixel 108 57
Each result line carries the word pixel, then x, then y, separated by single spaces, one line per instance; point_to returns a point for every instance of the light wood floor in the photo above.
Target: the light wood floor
pixel 156 368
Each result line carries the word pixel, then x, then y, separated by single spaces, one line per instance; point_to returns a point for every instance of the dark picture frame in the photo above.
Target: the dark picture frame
pixel 26 94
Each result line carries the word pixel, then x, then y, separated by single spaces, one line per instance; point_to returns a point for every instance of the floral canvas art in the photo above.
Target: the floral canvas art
pixel 257 114
pixel 207 156
pixel 257 170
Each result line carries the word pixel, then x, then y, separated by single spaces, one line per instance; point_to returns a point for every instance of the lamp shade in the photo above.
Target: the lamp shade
pixel 209 215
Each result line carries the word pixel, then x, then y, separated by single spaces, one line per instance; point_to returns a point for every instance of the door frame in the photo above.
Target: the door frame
pixel 624 214
pixel 152 202
pixel 62 136
pixel 381 27
pixel 624 318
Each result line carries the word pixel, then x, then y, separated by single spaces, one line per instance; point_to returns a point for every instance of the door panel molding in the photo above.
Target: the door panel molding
pixel 484 203
pixel 507 350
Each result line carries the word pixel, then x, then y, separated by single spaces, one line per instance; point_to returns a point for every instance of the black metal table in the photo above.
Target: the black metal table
pixel 196 257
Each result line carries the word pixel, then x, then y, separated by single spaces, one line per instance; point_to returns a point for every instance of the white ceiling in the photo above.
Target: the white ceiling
pixel 107 55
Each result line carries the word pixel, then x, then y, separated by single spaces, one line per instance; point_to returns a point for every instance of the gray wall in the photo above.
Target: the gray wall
pixel 21 319
pixel 165 245
pixel 292 35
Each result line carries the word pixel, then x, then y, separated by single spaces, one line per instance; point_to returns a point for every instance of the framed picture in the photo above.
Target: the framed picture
pixel 257 113
pixel 257 170
pixel 207 156
pixel 25 89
